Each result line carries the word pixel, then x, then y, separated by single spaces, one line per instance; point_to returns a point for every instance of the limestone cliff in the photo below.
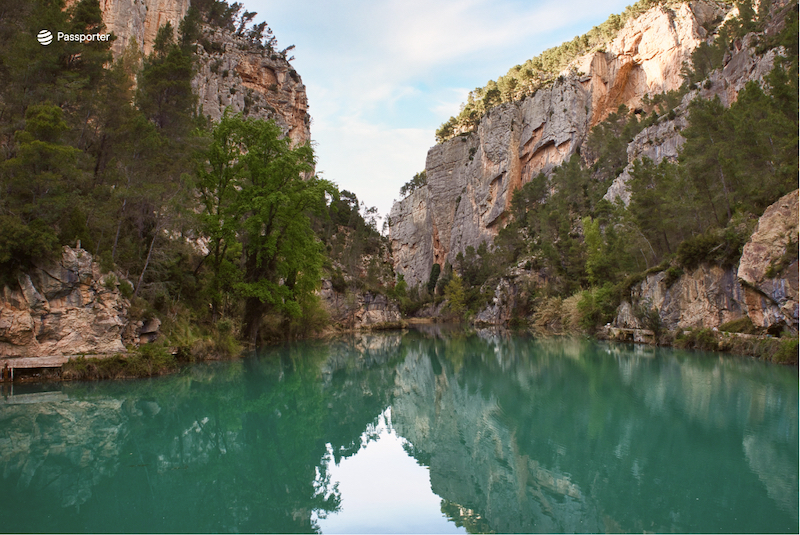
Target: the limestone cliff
pixel 763 287
pixel 233 72
pixel 65 308
pixel 140 20
pixel 245 78
pixel 663 140
pixel 472 177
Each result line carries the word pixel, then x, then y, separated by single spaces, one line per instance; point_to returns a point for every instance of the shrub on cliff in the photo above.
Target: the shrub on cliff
pixel 420 179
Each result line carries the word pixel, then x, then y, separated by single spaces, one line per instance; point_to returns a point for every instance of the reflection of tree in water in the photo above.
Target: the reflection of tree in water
pixel 229 447
pixel 519 434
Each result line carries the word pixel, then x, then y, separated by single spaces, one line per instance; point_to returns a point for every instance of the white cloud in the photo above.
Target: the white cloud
pixel 369 159
pixel 383 74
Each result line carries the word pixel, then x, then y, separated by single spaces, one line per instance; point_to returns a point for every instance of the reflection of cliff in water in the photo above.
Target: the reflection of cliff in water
pixel 45 436
pixel 519 434
pixel 571 436
pixel 235 446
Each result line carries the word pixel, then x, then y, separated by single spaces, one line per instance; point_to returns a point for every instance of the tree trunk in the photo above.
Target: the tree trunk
pixel 146 262
pixel 254 311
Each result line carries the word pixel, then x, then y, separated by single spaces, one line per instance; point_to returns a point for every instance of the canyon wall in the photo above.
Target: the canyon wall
pixel 140 20
pixel 763 287
pixel 233 73
pixel 472 177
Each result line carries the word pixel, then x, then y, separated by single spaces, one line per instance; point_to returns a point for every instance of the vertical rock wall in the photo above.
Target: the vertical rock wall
pixel 140 20
pixel 472 177
pixel 236 74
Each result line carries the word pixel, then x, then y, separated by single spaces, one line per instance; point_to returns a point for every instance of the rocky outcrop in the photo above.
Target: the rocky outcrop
pixel 768 268
pixel 498 312
pixel 707 297
pixel 234 73
pixel 472 177
pixel 63 309
pixel 764 286
pixel 245 77
pixel 661 141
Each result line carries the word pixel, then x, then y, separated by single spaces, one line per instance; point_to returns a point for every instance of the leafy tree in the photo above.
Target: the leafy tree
pixel 456 298
pixel 254 192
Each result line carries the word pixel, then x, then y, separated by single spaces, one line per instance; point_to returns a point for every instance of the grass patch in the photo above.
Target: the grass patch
pixel 702 339
pixel 146 361
pixel 786 352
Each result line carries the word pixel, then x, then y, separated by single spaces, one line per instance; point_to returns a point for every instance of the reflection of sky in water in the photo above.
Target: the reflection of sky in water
pixel 384 490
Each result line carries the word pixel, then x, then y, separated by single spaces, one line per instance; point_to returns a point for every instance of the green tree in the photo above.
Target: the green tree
pixel 165 83
pixel 217 180
pixel 436 269
pixel 261 198
pixel 455 295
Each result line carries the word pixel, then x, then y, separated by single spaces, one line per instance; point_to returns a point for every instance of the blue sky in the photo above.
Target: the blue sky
pixel 383 75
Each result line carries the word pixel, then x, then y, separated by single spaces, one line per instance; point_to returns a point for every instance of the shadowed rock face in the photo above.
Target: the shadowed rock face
pixel 472 177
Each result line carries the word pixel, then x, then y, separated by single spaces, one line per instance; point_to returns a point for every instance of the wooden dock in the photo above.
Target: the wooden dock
pixel 8 365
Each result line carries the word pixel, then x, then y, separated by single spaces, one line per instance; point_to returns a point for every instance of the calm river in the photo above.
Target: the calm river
pixel 422 432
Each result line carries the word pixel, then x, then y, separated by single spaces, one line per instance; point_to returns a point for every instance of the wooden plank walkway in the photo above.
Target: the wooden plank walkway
pixel 34 362
pixel 8 365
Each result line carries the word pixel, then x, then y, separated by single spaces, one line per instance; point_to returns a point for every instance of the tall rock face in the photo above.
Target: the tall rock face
pixel 663 140
pixel 140 20
pixel 233 73
pixel 472 177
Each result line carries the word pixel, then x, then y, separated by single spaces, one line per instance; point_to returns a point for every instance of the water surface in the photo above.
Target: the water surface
pixel 424 432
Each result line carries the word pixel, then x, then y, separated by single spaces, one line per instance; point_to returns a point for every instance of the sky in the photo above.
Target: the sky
pixel 382 75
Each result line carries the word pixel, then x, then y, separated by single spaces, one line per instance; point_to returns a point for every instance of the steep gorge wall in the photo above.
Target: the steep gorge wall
pixel 763 287
pixel 234 74
pixel 140 20
pixel 471 178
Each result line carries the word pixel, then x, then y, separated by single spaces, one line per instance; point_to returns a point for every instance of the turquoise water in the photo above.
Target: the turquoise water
pixel 435 432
